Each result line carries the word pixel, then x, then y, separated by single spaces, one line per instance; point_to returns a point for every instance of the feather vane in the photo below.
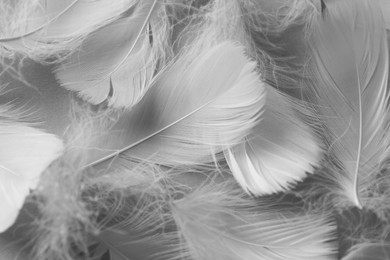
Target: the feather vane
pixel 280 150
pixel 194 110
pixel 59 23
pixel 29 151
pixel 116 58
pixel 217 223
pixel 351 76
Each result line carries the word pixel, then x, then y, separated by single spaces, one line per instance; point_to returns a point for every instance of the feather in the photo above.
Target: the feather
pixel 372 251
pixel 280 150
pixel 216 222
pixel 29 152
pixel 196 108
pixel 59 26
pixel 115 60
pixel 350 71
pixel 385 7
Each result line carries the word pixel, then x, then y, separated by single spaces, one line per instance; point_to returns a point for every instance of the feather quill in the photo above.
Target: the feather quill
pixel 114 63
pixel 29 152
pixel 194 110
pixel 350 69
pixel 280 150
pixel 217 222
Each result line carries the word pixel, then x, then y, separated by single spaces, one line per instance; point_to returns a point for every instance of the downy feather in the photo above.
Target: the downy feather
pixel 59 26
pixel 114 63
pixel 217 222
pixel 280 151
pixel 200 105
pixel 26 152
pixel 350 71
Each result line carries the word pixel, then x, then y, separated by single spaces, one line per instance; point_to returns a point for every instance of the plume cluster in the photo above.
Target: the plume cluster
pixel 194 129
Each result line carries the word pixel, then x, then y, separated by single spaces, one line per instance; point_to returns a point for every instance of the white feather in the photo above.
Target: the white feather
pixel 280 150
pixel 25 154
pixel 196 109
pixel 60 25
pixel 115 58
pixel 218 223
pixel 350 69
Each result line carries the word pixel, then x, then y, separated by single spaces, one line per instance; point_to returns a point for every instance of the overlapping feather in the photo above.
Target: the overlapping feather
pixel 59 26
pixel 279 151
pixel 350 70
pixel 217 222
pixel 194 110
pixel 207 101
pixel 114 63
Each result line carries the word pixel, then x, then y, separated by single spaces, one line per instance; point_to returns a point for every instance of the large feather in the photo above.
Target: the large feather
pixel 280 150
pixel 115 60
pixel 57 24
pixel 25 154
pixel 350 68
pixel 218 223
pixel 195 109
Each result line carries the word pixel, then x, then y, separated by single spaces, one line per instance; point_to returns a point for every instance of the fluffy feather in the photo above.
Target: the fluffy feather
pixel 114 63
pixel 196 108
pixel 280 150
pixel 217 222
pixel 59 26
pixel 29 152
pixel 350 68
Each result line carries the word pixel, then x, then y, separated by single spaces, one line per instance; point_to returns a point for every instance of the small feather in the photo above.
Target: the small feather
pixel 350 68
pixel 116 58
pixel 280 150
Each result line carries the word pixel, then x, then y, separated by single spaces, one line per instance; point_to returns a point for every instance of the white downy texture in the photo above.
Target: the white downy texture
pixel 350 68
pixel 196 108
pixel 25 154
pixel 116 58
pixel 217 223
pixel 280 150
pixel 56 24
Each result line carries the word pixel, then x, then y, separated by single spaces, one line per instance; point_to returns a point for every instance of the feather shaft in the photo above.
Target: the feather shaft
pixel 187 115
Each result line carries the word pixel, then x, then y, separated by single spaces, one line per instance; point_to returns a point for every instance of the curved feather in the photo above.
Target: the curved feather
pixel 216 223
pixel 280 150
pixel 59 23
pixel 350 69
pixel 28 152
pixel 196 108
pixel 115 60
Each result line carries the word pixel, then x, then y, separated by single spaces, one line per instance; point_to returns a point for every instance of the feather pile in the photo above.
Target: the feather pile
pixel 194 129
